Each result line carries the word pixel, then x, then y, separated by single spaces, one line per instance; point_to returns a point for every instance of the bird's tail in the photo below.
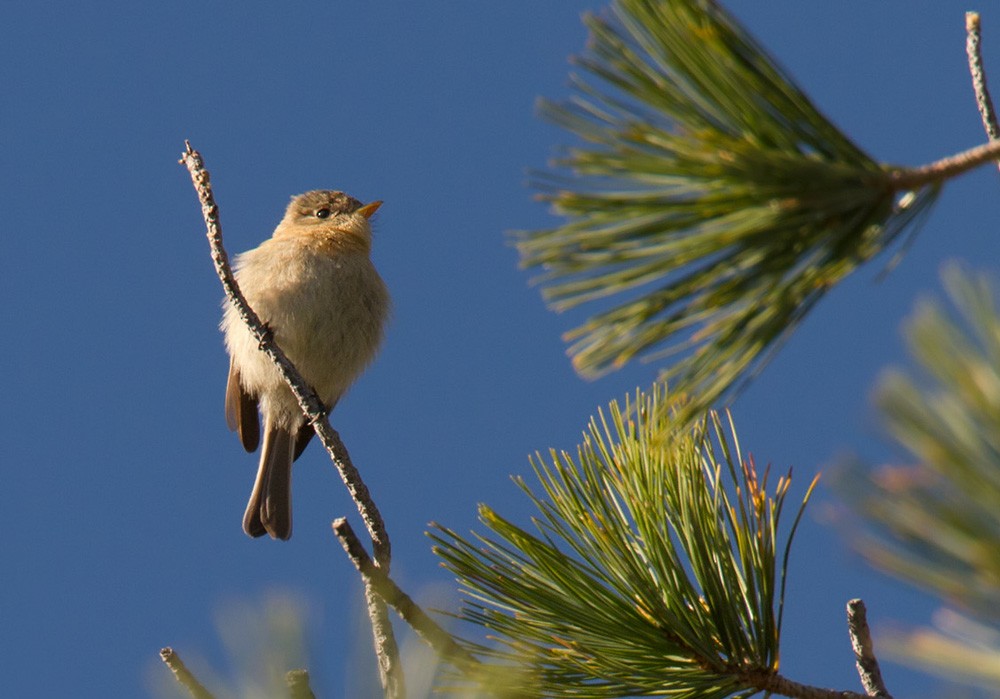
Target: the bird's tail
pixel 270 508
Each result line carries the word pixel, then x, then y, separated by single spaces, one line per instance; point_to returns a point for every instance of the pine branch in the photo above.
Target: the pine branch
pixel 776 684
pixel 652 567
pixel 946 168
pixel 933 522
pixel 710 205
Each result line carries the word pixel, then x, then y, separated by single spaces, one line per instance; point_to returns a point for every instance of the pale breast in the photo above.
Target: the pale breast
pixel 327 312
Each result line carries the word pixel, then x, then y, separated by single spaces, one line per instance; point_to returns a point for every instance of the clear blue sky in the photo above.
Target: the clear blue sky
pixel 123 489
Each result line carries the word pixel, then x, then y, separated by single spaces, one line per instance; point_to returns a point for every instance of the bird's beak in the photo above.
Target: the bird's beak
pixel 368 209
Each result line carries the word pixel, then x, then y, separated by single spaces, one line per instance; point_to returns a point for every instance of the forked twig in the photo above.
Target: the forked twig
pixel 428 629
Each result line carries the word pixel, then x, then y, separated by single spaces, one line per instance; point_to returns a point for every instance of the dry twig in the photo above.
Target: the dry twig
pixel 187 680
pixel 983 100
pixel 390 667
pixel 435 636
pixel 310 403
pixel 864 651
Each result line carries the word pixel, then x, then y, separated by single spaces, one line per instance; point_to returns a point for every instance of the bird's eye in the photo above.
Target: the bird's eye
pixel 323 213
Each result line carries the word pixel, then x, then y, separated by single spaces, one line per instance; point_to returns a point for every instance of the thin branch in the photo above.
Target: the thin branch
pixel 297 682
pixel 183 675
pixel 776 684
pixel 428 629
pixel 983 100
pixel 871 677
pixel 358 490
pixel 315 411
pixel 310 403
pixel 906 179
pixel 864 651
pixel 957 164
pixel 390 669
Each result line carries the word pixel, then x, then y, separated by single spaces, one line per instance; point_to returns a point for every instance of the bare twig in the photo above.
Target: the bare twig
pixel 914 178
pixel 315 411
pixel 903 179
pixel 390 669
pixel 861 641
pixel 183 675
pixel 864 652
pixel 983 100
pixel 428 629
pixel 310 403
pixel 774 683
pixel 297 682
pixel 359 492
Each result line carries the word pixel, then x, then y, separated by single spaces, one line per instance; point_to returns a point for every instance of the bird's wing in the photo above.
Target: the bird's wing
pixel 241 411
pixel 302 438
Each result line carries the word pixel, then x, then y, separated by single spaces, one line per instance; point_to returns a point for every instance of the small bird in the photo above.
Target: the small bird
pixel 314 285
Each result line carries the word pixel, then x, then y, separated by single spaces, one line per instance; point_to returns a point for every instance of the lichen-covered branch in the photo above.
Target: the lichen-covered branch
pixel 313 408
pixel 864 650
pixel 983 100
pixel 425 627
pixel 310 403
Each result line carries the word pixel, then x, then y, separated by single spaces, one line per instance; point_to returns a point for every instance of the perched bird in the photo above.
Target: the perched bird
pixel 314 285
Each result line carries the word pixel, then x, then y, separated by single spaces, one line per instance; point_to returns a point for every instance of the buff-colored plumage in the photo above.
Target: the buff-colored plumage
pixel 314 285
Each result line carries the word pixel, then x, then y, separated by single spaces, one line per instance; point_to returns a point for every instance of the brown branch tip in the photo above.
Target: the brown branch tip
pixel 184 676
pixel 973 49
pixel 864 650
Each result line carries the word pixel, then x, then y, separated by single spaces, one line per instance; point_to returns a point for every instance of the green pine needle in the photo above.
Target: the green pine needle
pixel 935 521
pixel 709 198
pixel 652 566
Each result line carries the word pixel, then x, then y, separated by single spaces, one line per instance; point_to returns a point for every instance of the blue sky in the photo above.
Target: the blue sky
pixel 124 489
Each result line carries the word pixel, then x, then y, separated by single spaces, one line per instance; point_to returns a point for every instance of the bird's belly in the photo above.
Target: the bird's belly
pixel 326 315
